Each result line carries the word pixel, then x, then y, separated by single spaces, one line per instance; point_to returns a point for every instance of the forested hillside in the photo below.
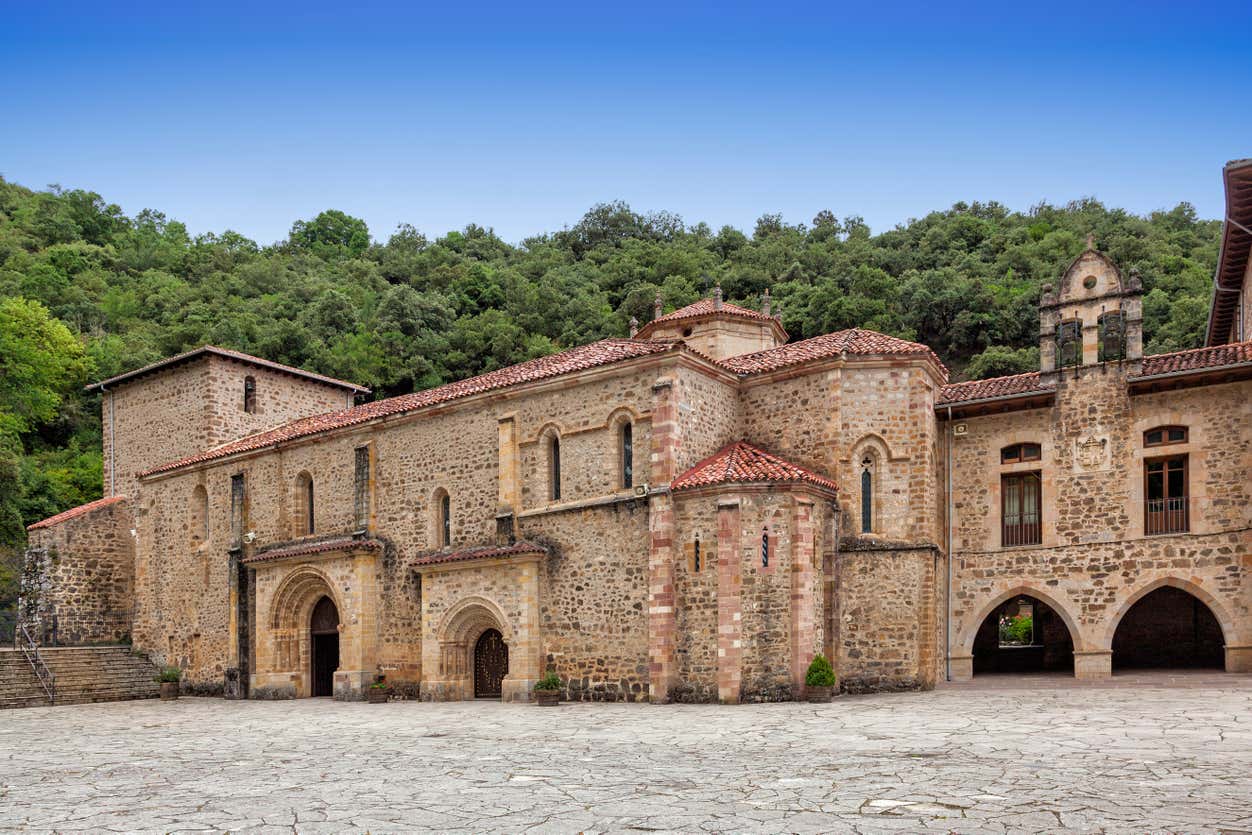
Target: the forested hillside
pixel 87 292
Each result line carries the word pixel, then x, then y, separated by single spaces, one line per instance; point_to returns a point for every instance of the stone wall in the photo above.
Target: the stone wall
pixel 77 584
pixel 886 616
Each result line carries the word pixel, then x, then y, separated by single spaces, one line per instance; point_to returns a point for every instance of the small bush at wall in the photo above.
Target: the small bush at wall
pixel 550 681
pixel 169 674
pixel 820 673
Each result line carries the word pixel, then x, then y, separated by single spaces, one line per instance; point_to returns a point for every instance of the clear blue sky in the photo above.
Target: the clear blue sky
pixel 252 116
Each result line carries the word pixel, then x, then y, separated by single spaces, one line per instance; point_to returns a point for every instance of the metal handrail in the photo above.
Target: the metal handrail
pixel 31 650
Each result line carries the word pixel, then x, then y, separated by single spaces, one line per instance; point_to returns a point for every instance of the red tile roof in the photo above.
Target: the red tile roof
pixel 742 463
pixel 1176 362
pixel 343 543
pixel 857 341
pixel 206 350
pixel 1197 359
pixel 604 352
pixel 74 512
pixel 480 552
pixel 993 387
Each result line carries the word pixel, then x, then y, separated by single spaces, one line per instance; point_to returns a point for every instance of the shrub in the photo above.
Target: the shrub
pixel 169 674
pixel 550 681
pixel 820 673
pixel 1022 630
pixel 380 683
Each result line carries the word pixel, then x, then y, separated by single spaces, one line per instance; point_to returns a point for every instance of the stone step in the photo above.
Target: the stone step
pixel 82 675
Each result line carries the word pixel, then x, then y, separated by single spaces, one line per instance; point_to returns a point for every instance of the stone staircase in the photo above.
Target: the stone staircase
pixel 83 675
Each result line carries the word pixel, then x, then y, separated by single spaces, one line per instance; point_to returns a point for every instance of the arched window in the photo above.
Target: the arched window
pixel 626 451
pixel 198 525
pixel 867 494
pixel 765 547
pixel 1112 336
pixel 249 394
pixel 1165 435
pixel 305 510
pixel 1069 343
pixel 1014 453
pixel 554 468
pixel 445 520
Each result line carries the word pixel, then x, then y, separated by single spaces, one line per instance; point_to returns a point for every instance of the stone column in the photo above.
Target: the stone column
pixel 662 618
pixel 729 605
pixel 803 603
pixel 508 500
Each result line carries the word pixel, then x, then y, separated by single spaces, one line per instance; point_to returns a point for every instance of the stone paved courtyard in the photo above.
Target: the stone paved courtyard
pixel 1140 754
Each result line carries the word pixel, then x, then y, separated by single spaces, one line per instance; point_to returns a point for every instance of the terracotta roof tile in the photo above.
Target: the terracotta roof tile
pixel 604 352
pixel 206 350
pixel 993 387
pixel 1197 359
pixel 73 512
pixel 343 543
pixel 480 552
pixel 742 463
pixel 857 341
pixel 706 307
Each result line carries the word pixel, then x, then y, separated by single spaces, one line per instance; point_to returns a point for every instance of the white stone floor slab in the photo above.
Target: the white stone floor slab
pixel 1154 756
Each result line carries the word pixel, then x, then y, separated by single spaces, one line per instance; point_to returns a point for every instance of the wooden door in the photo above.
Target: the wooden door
pixel 491 664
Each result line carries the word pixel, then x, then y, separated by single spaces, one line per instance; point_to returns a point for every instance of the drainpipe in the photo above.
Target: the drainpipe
pixel 947 615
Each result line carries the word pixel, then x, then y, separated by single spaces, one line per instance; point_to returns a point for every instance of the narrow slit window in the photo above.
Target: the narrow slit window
pixel 628 455
pixel 554 469
pixel 249 394
pixel 765 548
pixel 445 520
pixel 867 495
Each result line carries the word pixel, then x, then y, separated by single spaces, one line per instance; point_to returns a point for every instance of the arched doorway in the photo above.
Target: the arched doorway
pixel 1023 635
pixel 491 664
pixel 1168 627
pixel 324 647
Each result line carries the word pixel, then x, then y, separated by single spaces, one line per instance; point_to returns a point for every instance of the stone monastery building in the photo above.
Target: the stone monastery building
pixel 688 514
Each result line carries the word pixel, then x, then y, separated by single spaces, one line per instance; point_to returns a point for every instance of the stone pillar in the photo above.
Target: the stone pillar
pixel 508 499
pixel 1239 658
pixel 729 605
pixel 803 602
pixel 662 619
pixel 1092 665
pixel 961 666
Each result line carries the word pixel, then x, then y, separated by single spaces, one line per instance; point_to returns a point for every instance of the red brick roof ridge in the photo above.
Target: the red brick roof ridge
pixel 74 512
pixel 315 547
pixel 1231 353
pixel 477 552
pixel 580 358
pixel 741 462
pixel 705 307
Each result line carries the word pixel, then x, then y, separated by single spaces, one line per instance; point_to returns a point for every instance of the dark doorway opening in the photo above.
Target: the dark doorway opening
pixel 1023 635
pixel 491 664
pixel 1169 628
pixel 324 649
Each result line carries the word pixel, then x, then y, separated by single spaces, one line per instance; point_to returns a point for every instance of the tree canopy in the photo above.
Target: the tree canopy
pixel 86 289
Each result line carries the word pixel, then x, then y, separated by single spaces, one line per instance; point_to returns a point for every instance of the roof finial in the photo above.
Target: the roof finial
pixel 717 296
pixel 634 327
pixel 657 306
pixel 1091 240
pixel 765 302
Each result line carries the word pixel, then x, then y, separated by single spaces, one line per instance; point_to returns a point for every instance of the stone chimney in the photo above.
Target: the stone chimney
pixel 765 302
pixel 717 296
pixel 657 306
pixel 634 327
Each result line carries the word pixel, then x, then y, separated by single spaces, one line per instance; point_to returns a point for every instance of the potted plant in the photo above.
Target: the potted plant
pixel 819 681
pixel 378 692
pixel 548 690
pixel 168 678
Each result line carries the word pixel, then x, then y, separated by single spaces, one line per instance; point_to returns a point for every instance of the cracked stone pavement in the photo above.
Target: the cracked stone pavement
pixel 1149 757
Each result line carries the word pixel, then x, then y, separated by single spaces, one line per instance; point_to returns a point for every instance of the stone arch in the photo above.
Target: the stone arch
pixel 198 519
pixel 620 414
pixel 289 621
pixel 458 632
pixel 304 503
pixel 1220 612
pixel 877 476
pixel 1063 609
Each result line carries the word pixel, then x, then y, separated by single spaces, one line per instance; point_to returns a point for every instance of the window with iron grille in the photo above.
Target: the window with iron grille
pixel 1112 337
pixel 1021 509
pixel 628 455
pixel 362 497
